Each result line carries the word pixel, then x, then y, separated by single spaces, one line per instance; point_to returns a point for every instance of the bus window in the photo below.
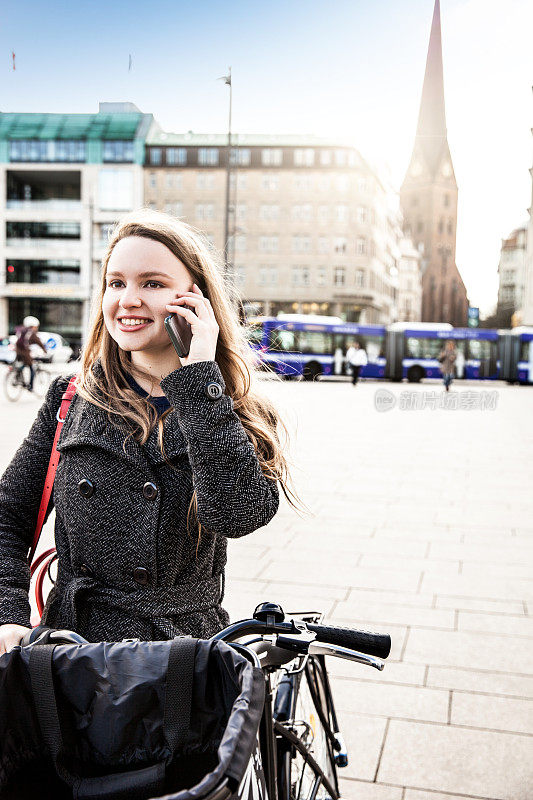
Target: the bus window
pixel 478 350
pixel 282 341
pixel 315 342
pixel 373 346
pixel 254 334
pixel 526 351
pixel 420 347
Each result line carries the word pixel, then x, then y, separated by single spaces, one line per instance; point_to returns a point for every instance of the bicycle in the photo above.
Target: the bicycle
pixel 15 383
pixel 300 744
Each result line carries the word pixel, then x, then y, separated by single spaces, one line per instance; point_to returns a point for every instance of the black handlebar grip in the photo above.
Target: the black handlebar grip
pixel 373 644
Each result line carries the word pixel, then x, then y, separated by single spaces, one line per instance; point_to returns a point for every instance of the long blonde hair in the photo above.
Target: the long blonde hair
pixel 126 408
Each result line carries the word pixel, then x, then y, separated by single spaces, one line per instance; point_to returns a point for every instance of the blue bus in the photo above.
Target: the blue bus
pixel 413 348
pixel 307 346
pixel 294 345
pixel 516 348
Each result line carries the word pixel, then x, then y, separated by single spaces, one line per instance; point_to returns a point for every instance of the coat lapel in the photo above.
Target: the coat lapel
pixel 88 425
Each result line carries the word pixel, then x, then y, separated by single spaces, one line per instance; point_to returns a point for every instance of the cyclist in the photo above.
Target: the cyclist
pixel 162 459
pixel 26 336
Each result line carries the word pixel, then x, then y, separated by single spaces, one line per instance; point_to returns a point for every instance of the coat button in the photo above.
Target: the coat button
pixel 213 390
pixel 86 571
pixel 86 488
pixel 150 490
pixel 141 575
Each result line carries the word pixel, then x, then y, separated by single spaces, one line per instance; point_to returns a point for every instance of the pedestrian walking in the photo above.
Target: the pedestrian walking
pixel 162 458
pixel 357 359
pixel 447 359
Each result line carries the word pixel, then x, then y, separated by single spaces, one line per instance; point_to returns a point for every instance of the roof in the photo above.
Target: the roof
pixel 191 139
pixel 117 126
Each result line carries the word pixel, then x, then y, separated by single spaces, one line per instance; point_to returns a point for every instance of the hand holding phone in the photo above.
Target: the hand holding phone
pixel 180 333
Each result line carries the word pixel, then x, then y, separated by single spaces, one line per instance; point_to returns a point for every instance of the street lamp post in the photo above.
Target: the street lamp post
pixel 227 81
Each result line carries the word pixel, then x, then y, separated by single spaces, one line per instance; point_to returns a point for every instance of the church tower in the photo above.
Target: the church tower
pixel 428 198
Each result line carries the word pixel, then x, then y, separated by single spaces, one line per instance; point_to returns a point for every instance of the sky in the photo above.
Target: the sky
pixel 346 69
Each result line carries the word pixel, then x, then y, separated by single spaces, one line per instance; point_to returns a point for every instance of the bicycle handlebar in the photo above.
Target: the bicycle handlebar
pixel 373 644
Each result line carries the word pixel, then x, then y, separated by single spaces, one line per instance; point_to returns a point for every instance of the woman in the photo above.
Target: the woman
pixel 447 358
pixel 162 459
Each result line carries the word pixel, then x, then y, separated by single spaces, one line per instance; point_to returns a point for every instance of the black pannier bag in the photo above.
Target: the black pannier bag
pixel 136 720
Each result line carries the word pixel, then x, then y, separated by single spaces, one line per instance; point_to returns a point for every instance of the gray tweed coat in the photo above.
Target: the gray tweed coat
pixel 127 565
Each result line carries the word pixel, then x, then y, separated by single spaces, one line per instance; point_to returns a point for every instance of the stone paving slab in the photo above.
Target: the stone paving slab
pixel 457 760
pixel 419 525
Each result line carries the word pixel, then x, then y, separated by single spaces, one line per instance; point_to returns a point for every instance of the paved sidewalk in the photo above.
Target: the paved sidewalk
pixel 421 526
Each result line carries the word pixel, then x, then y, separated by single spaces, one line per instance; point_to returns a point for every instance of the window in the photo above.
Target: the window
pixel 321 276
pixel 323 244
pixel 304 157
pixel 508 293
pixel 237 180
pixel 419 226
pixel 270 183
pixel 300 276
pixel 205 181
pixel 176 156
pixel 314 342
pixel 205 211
pixel 303 212
pixel 340 244
pixel 421 347
pixel 176 209
pixel 342 183
pixel 441 225
pixel 446 199
pixel 36 150
pixel 240 278
pixel 240 243
pixel 263 276
pixel 324 183
pixel 323 213
pixel 361 246
pixel 362 215
pixel 282 340
pixel 303 183
pixel 208 156
pixel 173 181
pixel 339 276
pixel 341 213
pixel 352 159
pixel 362 185
pixel 155 156
pixel 118 151
pixel 268 244
pixel 240 156
pixel 340 158
pixel 272 157
pixel 240 211
pixel 325 158
pixel 301 244
pixel 115 190
pixel 359 278
pixel 450 227
pixel 152 180
pixel 273 275
pixel 268 211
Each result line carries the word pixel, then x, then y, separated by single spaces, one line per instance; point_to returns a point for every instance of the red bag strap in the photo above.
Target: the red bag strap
pixel 52 466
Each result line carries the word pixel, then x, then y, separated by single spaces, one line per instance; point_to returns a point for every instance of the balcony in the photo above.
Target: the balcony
pixel 51 204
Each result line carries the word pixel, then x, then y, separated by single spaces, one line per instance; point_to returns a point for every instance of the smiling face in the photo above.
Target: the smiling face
pixel 142 276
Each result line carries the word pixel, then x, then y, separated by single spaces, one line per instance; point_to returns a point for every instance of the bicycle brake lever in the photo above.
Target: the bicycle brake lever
pixel 324 649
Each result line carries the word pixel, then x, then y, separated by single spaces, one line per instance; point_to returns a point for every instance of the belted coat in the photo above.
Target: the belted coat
pixel 128 566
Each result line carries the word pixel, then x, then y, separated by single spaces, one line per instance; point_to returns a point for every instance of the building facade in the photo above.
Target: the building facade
pixel 512 275
pixel 311 228
pixel 409 283
pixel 526 312
pixel 64 180
pixel 429 198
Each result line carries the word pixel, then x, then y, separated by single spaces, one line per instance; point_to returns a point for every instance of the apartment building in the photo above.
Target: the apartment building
pixel 64 180
pixel 311 225
pixel 512 275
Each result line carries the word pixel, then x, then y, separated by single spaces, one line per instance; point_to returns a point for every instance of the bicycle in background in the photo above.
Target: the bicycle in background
pixel 17 379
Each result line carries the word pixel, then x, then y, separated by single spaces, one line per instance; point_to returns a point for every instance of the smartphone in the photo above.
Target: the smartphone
pixel 180 333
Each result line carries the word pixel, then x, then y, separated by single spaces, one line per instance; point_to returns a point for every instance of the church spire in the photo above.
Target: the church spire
pixel 431 128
